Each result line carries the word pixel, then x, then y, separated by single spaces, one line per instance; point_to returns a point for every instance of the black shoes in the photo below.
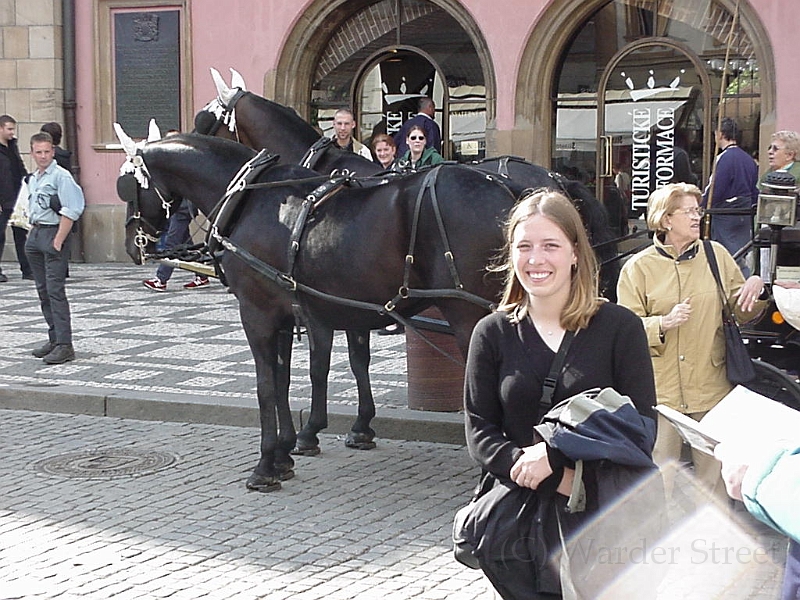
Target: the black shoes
pixel 60 354
pixel 393 329
pixel 3 277
pixel 29 276
pixel 44 350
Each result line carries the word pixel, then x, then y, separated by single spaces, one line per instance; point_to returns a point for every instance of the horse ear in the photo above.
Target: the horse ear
pixel 224 93
pixel 127 142
pixel 153 132
pixel 237 81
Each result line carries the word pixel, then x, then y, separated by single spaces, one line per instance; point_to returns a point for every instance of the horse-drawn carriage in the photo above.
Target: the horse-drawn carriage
pixel 296 245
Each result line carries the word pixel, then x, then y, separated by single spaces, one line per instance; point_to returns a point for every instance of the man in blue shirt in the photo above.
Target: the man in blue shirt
pixel 734 186
pixel 55 203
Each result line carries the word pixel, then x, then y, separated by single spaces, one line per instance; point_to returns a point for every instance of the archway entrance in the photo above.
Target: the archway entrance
pixel 632 57
pixel 389 87
pixel 365 53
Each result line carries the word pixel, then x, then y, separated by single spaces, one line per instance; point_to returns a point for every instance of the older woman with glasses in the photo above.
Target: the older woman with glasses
pixel 783 152
pixel 671 287
pixel 417 155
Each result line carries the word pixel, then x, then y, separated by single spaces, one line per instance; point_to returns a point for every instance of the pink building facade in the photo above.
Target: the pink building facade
pixel 574 85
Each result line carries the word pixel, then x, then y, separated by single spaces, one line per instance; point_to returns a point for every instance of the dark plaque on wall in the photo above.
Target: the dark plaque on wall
pixel 147 70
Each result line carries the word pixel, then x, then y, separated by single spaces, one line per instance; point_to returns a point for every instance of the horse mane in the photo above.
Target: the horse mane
pixel 286 111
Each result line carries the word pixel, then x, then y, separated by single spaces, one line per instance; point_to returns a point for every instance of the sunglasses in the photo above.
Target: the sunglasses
pixel 774 148
pixel 415 138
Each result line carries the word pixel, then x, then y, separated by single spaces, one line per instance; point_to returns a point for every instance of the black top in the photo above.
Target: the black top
pixel 12 170
pixel 507 364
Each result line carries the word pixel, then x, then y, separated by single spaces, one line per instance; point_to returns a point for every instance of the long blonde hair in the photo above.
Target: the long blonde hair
pixel 584 300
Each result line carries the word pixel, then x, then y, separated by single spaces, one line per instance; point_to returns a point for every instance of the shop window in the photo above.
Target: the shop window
pixel 690 82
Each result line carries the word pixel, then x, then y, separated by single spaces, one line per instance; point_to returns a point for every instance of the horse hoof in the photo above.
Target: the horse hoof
pixel 359 442
pixel 305 451
pixel 259 483
pixel 287 475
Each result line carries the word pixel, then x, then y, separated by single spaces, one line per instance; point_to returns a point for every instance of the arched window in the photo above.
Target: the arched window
pixel 635 60
pixel 385 56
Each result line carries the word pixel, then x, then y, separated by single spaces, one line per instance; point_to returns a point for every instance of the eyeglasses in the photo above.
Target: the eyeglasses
pixel 692 212
pixel 414 138
pixel 775 148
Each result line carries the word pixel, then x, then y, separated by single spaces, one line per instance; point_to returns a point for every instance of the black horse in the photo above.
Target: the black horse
pixel 259 123
pixel 353 245
pixel 262 123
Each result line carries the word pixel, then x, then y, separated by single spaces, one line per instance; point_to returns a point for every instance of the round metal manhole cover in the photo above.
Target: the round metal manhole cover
pixel 105 462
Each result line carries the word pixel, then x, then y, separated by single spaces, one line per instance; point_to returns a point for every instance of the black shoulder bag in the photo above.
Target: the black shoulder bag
pixel 463 542
pixel 738 365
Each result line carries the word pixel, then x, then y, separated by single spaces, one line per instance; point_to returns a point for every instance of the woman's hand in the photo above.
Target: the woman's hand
pixel 533 467
pixel 750 292
pixel 679 314
pixel 734 468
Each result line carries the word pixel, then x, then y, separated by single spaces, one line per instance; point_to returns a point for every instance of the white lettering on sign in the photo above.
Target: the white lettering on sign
pixel 640 158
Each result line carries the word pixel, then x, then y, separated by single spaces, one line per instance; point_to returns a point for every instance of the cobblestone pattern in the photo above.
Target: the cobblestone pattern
pixel 129 338
pixel 351 525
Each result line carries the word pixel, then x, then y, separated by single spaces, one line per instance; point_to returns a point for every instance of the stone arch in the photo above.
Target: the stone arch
pixel 540 62
pixel 290 83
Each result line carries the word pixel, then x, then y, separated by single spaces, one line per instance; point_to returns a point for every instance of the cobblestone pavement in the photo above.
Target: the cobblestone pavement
pixel 128 338
pixel 91 507
pixel 351 525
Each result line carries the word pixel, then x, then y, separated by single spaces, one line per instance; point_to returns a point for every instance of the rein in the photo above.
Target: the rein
pixel 286 279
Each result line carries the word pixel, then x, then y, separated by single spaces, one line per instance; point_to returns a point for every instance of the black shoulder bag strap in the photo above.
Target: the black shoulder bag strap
pixel 712 263
pixel 555 370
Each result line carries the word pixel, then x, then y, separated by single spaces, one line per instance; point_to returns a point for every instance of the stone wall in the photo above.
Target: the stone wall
pixel 31 67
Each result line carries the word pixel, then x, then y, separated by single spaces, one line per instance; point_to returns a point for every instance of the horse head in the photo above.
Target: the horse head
pixel 218 117
pixel 147 208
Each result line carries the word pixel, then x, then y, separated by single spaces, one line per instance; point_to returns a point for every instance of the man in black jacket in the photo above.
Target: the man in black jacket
pixel 12 170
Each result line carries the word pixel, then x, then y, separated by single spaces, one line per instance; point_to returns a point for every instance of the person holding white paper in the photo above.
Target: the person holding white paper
pixel 671 287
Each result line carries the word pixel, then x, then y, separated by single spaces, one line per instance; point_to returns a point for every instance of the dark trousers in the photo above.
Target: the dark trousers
pixel 177 234
pixel 49 269
pixel 20 235
pixel 791 577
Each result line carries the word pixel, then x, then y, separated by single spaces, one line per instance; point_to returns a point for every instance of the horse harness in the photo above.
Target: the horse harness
pixel 244 182
pixel 135 171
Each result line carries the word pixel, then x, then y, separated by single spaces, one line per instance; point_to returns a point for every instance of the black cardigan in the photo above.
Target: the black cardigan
pixel 507 364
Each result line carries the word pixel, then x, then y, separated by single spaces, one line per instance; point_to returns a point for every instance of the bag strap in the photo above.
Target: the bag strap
pixel 712 263
pixel 555 370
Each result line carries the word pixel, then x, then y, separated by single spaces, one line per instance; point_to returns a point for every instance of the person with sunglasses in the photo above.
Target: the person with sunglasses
pixel 417 155
pixel 783 152
pixel 671 287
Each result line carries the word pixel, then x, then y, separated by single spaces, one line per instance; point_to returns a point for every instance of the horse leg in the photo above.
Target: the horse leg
pixel 320 341
pixel 361 436
pixel 265 349
pixel 284 463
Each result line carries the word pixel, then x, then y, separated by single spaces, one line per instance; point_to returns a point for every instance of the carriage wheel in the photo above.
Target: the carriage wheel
pixel 773 383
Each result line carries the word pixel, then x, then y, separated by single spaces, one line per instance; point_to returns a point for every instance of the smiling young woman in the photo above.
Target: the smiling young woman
pixel 551 288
